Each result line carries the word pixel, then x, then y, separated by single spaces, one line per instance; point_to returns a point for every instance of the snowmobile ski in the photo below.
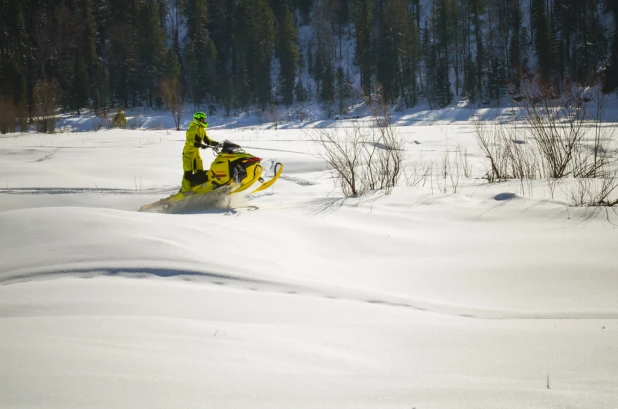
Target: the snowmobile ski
pixel 266 185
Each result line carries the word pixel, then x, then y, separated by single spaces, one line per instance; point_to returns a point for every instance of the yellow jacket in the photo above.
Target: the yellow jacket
pixel 196 134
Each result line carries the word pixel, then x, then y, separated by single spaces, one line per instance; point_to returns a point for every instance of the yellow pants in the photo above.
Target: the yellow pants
pixel 191 162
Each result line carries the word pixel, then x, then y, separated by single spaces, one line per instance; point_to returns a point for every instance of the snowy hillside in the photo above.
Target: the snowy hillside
pixel 295 297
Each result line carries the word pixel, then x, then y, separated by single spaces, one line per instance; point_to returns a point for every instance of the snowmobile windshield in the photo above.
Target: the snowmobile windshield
pixel 231 147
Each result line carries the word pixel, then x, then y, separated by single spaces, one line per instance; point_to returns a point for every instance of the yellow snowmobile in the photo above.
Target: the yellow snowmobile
pixel 232 171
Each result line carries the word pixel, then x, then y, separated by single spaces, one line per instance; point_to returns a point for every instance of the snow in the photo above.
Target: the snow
pixel 491 297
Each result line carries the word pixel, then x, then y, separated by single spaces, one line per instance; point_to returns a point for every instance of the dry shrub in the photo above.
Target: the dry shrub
pixel 510 154
pixel 595 191
pixel 171 93
pixel 417 172
pixel 46 96
pixel 272 114
pixel 563 137
pixel 101 121
pixel 136 122
pixel 363 158
pixel 567 128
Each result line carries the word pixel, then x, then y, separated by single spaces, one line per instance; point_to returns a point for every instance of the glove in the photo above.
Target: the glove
pixel 215 144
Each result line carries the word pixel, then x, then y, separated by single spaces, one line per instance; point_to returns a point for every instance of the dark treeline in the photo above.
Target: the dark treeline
pixel 101 54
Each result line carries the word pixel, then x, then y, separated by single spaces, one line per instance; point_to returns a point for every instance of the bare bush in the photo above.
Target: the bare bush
pixel 508 151
pixel 560 122
pixel 447 174
pixel 461 155
pixel 136 122
pixel 417 172
pixel 595 191
pixel 524 160
pixel 344 155
pixel 273 114
pixel 387 168
pixel 362 158
pixel 563 137
pixel 385 157
pixel 447 171
pixel 568 130
pixel 97 124
pixel 101 121
pixel 493 147
pixel 171 93
pixel 46 96
pixel 593 157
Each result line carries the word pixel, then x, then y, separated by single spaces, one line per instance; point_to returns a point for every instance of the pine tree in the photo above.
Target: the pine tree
pixel 498 42
pixel 80 85
pixel 456 54
pixel 287 52
pixel 496 80
pixel 222 28
pixel 208 72
pixel 516 66
pixel 390 45
pixel 610 76
pixel 122 53
pixel 150 50
pixel 342 18
pixel 260 46
pixel 85 86
pixel 304 8
pixel 202 55
pixel 470 88
pixel 341 90
pixel 543 43
pixel 591 45
pixel 100 74
pixel 328 85
pixel 442 21
pixel 363 15
pixel 240 84
pixel 61 66
pixel 300 91
pixel 98 53
pixel 318 67
pixel 197 18
pixel 410 58
pixel 477 8
pixel 13 82
pixel 176 20
pixel 12 97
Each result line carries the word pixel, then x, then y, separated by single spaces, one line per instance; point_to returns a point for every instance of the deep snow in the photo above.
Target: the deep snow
pixel 296 297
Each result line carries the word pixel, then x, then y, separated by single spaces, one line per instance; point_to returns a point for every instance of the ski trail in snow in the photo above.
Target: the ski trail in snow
pixel 48 156
pixel 74 190
pixel 245 282
pixel 298 181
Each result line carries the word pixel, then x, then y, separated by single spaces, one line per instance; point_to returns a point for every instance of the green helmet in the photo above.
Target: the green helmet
pixel 199 115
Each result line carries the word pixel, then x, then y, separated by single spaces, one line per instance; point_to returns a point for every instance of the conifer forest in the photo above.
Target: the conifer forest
pixel 76 55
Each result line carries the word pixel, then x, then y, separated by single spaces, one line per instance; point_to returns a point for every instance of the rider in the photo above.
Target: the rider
pixel 192 165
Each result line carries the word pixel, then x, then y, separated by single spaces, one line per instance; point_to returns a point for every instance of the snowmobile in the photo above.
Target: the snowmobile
pixel 232 171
